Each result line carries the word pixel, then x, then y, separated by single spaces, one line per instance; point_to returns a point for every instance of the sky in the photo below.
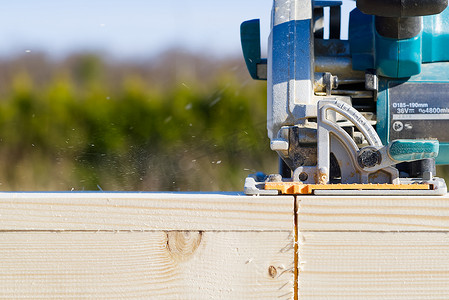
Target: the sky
pixel 128 28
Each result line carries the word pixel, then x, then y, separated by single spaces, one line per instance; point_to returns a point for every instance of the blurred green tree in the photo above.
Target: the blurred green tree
pixel 88 124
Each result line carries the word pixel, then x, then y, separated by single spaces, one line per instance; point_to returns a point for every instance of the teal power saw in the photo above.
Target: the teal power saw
pixel 368 115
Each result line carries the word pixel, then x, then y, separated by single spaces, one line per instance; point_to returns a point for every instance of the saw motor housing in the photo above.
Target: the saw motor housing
pixel 371 109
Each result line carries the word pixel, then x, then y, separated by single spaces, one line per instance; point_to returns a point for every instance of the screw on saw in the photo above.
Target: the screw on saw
pixel 369 157
pixel 303 176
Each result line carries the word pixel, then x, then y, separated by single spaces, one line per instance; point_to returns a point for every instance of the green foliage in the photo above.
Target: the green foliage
pixel 84 129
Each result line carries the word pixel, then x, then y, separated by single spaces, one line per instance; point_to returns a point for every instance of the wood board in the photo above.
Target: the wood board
pixel 387 247
pixel 146 246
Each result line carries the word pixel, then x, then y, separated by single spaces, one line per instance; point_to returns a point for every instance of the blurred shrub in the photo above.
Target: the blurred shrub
pixel 88 124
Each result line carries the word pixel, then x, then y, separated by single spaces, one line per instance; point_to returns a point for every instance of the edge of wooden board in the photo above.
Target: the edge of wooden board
pixel 91 211
pixel 373 213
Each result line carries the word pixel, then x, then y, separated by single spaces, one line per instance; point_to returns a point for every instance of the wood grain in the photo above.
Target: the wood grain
pixel 141 265
pixel 146 246
pixel 374 265
pixel 145 211
pixel 373 247
pixel 373 213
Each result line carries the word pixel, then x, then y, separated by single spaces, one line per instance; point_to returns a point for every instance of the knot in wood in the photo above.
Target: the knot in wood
pixel 272 271
pixel 182 244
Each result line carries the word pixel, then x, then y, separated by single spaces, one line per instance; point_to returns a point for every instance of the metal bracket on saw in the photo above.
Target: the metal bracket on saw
pixel 367 170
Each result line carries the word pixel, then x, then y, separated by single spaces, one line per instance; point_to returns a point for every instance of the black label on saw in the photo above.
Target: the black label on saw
pixel 419 111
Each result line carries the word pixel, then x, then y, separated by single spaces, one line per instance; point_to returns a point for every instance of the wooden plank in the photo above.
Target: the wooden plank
pixel 374 265
pixel 147 265
pixel 373 213
pixel 373 247
pixel 145 211
pixel 146 246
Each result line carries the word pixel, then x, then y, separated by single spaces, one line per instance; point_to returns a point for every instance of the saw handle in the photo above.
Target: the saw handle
pixel 410 150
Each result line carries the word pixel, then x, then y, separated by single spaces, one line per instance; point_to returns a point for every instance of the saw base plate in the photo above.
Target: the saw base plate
pixel 299 188
pixel 405 187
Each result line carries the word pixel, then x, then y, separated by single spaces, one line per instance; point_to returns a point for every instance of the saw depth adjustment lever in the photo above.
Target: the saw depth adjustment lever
pixel 397 151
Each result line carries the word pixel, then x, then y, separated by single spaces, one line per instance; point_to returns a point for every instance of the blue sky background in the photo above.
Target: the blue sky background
pixel 128 29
